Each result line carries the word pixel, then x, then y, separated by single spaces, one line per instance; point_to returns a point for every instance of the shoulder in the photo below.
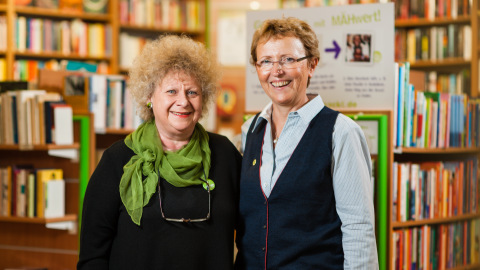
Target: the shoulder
pixel 345 127
pixel 218 141
pixel 118 154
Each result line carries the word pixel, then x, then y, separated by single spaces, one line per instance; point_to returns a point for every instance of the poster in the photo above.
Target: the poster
pixel 356 67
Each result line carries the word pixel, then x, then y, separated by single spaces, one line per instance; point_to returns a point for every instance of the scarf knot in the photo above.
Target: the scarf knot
pixel 182 168
pixel 148 162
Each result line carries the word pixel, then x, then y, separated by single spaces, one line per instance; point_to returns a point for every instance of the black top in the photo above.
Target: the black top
pixel 110 240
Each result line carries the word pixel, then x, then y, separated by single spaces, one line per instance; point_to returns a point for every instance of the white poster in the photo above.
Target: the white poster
pixel 356 68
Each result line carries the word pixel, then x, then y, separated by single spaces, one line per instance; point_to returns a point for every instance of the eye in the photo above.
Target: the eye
pixel 265 62
pixel 192 93
pixel 288 60
pixel 171 91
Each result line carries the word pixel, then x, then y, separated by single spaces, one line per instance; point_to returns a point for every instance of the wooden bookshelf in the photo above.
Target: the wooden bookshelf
pixel 131 27
pixel 404 23
pixel 434 221
pixel 61 14
pixel 70 217
pixel 16 147
pixel 44 242
pixel 438 151
pixel 53 55
pixel 443 63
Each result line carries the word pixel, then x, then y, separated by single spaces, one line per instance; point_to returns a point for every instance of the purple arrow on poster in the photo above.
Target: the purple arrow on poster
pixel 335 49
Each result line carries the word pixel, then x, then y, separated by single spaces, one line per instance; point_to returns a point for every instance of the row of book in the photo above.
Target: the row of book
pixel 437 247
pixel 76 37
pixel 111 103
pixel 453 83
pixel 434 189
pixel 433 43
pixel 29 192
pixel 106 96
pixel 3 33
pixel 35 117
pixel 433 119
pixel 76 6
pixel 166 14
pixel 431 9
pixel 28 70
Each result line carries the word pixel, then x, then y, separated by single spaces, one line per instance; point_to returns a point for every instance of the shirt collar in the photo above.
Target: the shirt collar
pixel 306 113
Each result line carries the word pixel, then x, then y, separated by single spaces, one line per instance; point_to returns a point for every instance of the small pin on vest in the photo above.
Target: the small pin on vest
pixel 254 162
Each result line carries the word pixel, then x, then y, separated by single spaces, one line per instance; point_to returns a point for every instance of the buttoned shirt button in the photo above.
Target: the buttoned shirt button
pixel 265 202
pixel 264 226
pixel 263 248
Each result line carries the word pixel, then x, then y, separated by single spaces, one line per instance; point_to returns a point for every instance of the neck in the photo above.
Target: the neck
pixel 280 115
pixel 173 143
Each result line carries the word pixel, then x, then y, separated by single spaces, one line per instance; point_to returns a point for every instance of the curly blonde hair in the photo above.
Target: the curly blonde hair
pixel 167 53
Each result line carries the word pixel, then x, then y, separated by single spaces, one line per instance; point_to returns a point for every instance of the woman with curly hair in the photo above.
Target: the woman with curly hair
pixel 166 196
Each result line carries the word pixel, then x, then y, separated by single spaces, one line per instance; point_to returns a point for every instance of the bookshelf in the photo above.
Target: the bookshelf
pixel 33 241
pixel 126 31
pixel 45 37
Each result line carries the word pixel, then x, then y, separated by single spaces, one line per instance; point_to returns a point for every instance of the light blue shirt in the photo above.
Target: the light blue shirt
pixel 351 174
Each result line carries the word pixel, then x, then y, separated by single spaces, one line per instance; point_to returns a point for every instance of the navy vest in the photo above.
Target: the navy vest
pixel 297 227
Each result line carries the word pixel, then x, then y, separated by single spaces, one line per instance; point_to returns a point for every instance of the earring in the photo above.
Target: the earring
pixel 149 105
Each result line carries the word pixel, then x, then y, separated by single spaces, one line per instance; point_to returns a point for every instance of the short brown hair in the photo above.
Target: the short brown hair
pixel 167 53
pixel 286 27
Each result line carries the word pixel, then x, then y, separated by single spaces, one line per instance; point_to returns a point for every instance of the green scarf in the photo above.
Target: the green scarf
pixel 181 168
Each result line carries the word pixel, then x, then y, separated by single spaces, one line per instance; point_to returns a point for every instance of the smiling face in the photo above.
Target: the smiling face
pixel 177 105
pixel 285 87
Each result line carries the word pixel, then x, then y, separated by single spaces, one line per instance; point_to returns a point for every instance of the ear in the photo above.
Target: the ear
pixel 313 65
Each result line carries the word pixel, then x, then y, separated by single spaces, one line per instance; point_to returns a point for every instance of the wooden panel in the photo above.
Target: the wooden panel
pixel 14 258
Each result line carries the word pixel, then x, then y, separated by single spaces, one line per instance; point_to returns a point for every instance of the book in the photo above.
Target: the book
pixel 44 176
pixel 49 119
pixel 62 128
pixel 5 190
pixel 54 198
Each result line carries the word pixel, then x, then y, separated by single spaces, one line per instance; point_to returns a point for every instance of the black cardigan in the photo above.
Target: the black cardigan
pixel 110 240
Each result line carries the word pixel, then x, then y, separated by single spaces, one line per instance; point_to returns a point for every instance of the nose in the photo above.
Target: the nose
pixel 182 98
pixel 278 68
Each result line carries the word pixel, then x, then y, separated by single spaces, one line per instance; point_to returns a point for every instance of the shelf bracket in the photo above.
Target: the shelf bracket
pixel 71 226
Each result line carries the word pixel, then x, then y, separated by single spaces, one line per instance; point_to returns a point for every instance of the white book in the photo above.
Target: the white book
pixel 54 198
pixel 98 101
pixel 63 125
pixel 115 103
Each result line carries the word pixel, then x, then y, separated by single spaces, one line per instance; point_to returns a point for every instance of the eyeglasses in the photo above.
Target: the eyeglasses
pixel 186 220
pixel 284 62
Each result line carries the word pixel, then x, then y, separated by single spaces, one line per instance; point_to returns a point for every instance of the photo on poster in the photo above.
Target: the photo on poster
pixel 359 48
